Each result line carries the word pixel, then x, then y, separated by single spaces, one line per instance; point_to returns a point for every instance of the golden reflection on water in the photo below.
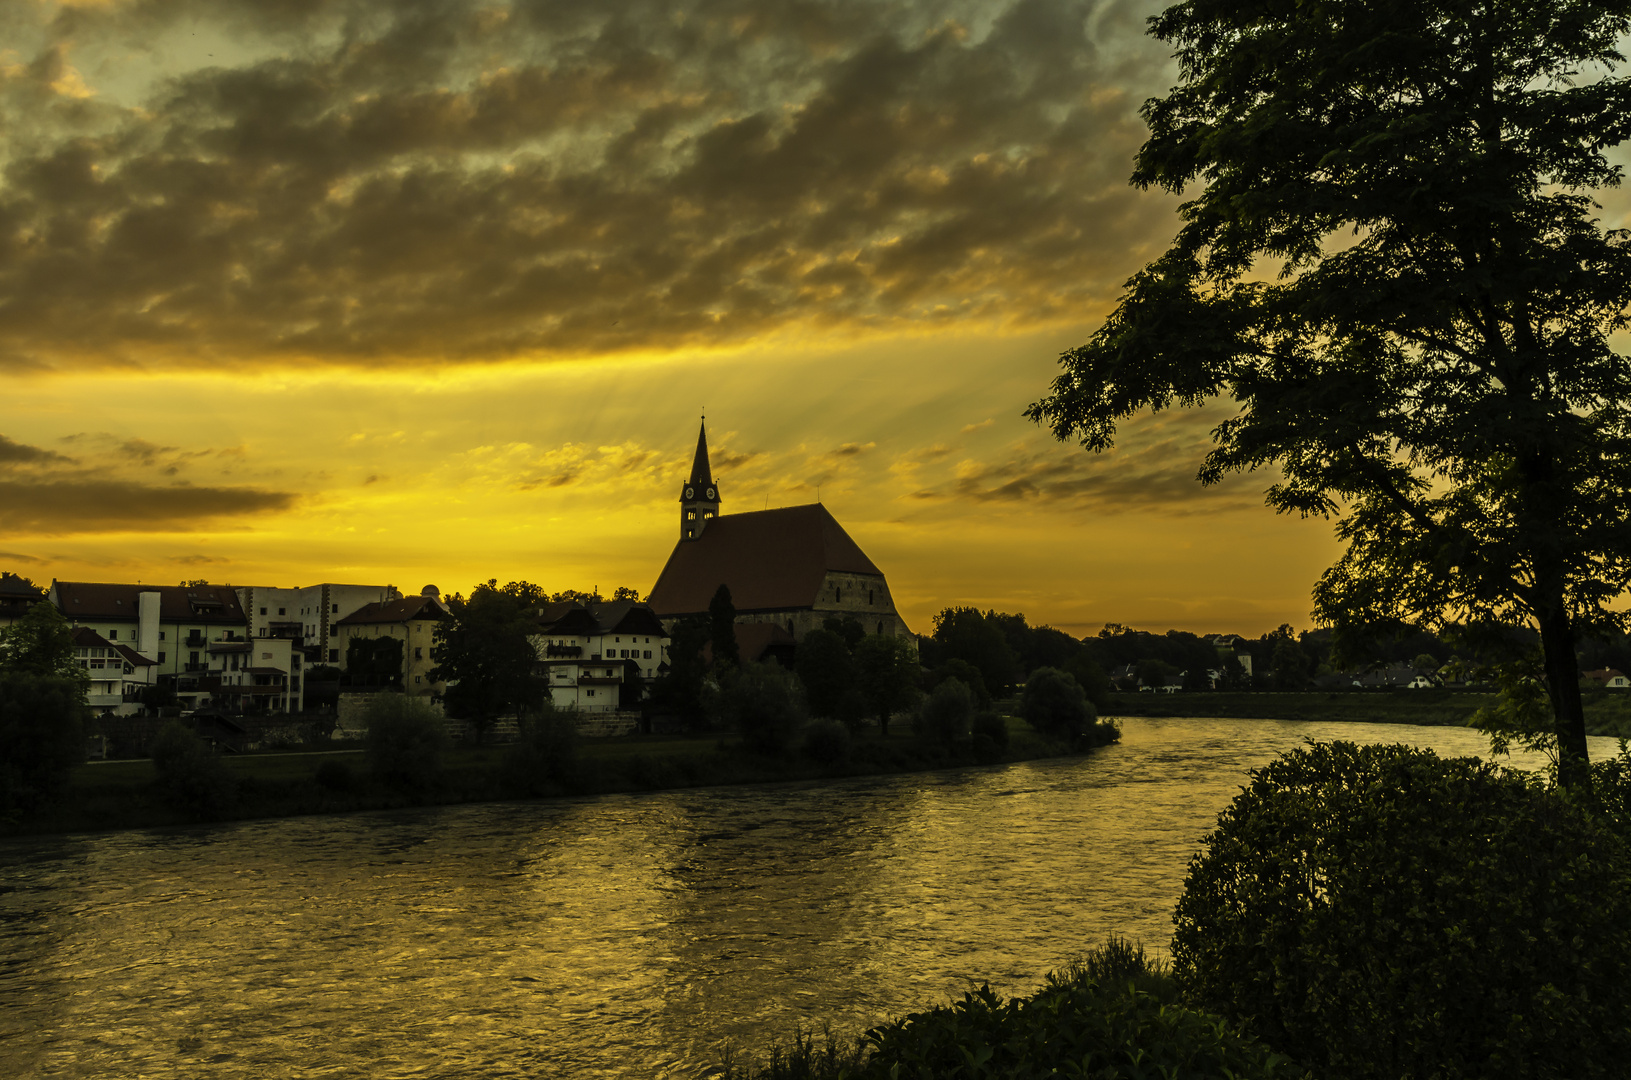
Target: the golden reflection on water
pixel 618 936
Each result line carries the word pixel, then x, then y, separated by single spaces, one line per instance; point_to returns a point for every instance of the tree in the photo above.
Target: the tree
pixel 483 650
pixel 826 669
pixel 849 628
pixel 946 715
pixel 1393 270
pixel 765 703
pixel 405 742
pixel 1055 705
pixel 680 690
pixel 722 629
pixel 888 669
pixel 623 592
pixel 373 661
pixel 41 737
pixel 966 634
pixel 1288 664
pixel 41 643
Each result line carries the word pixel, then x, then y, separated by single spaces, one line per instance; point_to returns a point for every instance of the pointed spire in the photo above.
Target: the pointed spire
pixel 701 472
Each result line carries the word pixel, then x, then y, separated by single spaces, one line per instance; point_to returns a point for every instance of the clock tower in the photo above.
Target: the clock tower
pixel 699 498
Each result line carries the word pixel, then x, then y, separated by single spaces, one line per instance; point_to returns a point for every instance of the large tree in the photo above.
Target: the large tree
pixel 483 650
pixel 1392 266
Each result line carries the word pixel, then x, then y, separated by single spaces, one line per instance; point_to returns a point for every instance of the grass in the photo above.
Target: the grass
pixel 125 794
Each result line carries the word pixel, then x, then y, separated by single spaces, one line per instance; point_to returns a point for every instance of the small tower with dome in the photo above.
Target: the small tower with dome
pixel 699 498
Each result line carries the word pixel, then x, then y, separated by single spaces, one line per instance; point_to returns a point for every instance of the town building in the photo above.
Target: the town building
pixel 410 619
pixel 794 566
pixel 599 658
pixel 118 673
pixel 1605 678
pixel 308 614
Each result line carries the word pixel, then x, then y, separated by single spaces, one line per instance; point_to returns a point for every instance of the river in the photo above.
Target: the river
pixel 627 935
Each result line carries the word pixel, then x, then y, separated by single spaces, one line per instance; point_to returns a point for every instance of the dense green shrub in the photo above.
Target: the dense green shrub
pixel 993 725
pixel 1054 704
pixel 405 741
pixel 1380 912
pixel 545 759
pixel 334 775
pixel 826 742
pixel 1109 1016
pixel 41 739
pixel 192 778
pixel 944 716
pixel 765 704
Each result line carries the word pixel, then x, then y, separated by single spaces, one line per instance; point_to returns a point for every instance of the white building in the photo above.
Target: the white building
pixel 599 659
pixel 309 614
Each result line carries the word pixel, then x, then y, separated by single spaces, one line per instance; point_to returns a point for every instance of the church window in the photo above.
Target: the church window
pixel 837 593
pixel 690 515
pixel 880 627
pixel 869 596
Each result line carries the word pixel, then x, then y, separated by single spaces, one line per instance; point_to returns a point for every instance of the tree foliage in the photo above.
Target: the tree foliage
pixel 41 642
pixel 41 737
pixel 1377 912
pixel 827 670
pixel 483 651
pixel 765 703
pixel 1055 704
pixel 722 629
pixel 1393 267
pixel 192 778
pixel 405 743
pixel 888 675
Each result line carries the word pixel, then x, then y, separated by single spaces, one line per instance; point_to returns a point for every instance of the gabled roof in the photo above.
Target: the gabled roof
pixel 628 617
pixel 395 611
pixel 108 602
pixel 84 637
pixel 771 559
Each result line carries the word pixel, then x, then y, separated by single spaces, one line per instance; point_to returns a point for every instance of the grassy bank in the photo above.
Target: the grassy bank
pixel 125 794
pixel 1607 712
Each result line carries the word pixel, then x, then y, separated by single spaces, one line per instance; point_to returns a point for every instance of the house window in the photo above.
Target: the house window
pixel 113 635
pixel 591 693
pixel 416 680
pixel 333 656
pixel 161 635
pixel 161 658
pixel 192 658
pixel 648 654
pixel 263 611
pixel 336 609
pixel 282 611
pixel 418 654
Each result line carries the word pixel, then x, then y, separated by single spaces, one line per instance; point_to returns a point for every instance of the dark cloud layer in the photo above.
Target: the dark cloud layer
pixel 429 182
pixel 110 489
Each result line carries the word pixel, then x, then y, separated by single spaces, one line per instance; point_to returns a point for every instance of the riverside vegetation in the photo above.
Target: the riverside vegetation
pixel 408 760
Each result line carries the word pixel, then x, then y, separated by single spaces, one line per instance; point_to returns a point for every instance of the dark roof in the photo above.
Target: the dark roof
pixel 702 473
pixel 106 602
pixel 395 611
pixel 13 587
pixel 771 559
pixel 85 638
pixel 628 617
pixel 133 657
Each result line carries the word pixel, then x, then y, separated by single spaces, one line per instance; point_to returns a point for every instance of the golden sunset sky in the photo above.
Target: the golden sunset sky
pixel 298 290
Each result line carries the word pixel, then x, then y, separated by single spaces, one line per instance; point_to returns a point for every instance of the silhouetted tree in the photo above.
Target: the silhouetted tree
pixel 482 650
pixel 722 629
pixel 966 634
pixel 1429 355
pixel 827 669
pixel 889 672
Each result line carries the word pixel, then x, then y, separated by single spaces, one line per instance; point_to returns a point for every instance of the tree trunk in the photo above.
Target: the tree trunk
pixel 1563 687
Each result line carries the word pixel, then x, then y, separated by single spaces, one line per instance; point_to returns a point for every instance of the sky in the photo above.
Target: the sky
pixel 429 293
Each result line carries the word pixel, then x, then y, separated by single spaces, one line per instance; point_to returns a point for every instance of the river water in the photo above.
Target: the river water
pixel 615 936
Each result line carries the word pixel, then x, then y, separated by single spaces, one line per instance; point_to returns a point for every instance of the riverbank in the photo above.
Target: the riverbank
pixel 1607 713
pixel 105 796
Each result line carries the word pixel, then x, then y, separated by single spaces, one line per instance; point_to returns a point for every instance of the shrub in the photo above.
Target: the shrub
pixel 765 703
pixel 993 726
pixel 545 760
pixel 405 742
pixel 41 739
pixel 1075 1025
pixel 944 717
pixel 1379 912
pixel 1054 704
pixel 192 778
pixel 826 742
pixel 335 776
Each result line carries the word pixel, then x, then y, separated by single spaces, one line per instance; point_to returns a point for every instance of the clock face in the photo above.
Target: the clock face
pixel 690 493
pixel 710 493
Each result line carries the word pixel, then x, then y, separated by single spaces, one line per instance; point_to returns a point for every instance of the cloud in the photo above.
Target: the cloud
pixel 16 453
pixel 968 428
pixel 370 183
pixel 17 557
pixel 56 507
pixel 197 560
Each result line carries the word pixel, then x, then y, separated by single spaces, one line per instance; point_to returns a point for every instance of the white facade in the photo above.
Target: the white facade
pixel 308 614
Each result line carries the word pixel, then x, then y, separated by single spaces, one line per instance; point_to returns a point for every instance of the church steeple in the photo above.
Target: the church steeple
pixel 699 499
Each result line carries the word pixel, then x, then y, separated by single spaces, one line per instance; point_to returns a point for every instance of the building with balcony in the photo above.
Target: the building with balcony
pixel 410 619
pixel 118 673
pixel 599 658
pixel 308 614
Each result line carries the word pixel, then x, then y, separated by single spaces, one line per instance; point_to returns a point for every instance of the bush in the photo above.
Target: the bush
pixel 993 726
pixel 192 778
pixel 335 776
pixel 1054 704
pixel 944 717
pixel 826 742
pixel 765 703
pixel 1077 1024
pixel 405 742
pixel 545 760
pixel 1379 912
pixel 41 738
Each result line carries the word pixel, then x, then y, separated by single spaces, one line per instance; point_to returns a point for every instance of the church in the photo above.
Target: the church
pixel 792 568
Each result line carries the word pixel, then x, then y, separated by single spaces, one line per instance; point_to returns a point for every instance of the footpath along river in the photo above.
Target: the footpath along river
pixel 617 936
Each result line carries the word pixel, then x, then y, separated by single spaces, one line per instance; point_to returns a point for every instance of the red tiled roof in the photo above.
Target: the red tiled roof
pixel 771 559
pixel 106 601
pixel 395 611
pixel 14 587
